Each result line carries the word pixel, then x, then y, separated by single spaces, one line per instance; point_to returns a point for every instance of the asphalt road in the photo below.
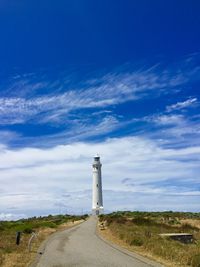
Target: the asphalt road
pixel 81 246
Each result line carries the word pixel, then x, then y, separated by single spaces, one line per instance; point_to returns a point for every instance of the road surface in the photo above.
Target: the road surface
pixel 81 247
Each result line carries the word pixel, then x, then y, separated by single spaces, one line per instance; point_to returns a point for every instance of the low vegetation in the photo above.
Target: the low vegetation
pixel 139 231
pixel 18 255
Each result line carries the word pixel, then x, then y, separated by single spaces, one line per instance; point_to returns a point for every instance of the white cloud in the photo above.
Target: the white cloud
pixel 175 129
pixel 11 216
pixel 181 105
pixel 109 90
pixel 78 129
pixel 7 136
pixel 166 119
pixel 35 180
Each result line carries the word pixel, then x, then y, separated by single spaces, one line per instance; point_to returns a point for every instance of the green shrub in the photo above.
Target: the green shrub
pixel 136 242
pixel 1 258
pixel 109 220
pixel 188 227
pixel 121 236
pixel 139 220
pixel 121 220
pixel 84 217
pixel 48 224
pixel 28 230
pixel 147 233
pixel 101 217
pixel 7 250
pixel 196 261
pixel 58 221
pixel 1 227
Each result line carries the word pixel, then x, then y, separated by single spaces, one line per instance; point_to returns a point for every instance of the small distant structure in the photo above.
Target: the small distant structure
pixel 181 237
pixel 97 198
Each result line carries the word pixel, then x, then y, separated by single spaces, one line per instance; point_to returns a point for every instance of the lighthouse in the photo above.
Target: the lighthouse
pixel 97 200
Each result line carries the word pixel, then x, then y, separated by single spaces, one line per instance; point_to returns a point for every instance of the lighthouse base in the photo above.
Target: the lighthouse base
pixel 97 211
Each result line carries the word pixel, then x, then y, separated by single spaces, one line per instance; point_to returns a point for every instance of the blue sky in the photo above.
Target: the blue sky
pixel 118 78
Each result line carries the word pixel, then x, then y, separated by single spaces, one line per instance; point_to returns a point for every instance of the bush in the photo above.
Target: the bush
pixel 121 220
pixel 121 236
pixel 57 221
pixel 101 217
pixel 1 258
pixel 188 227
pixel 8 250
pixel 142 221
pixel 1 227
pixel 196 260
pixel 84 217
pixel 136 242
pixel 48 224
pixel 109 220
pixel 28 230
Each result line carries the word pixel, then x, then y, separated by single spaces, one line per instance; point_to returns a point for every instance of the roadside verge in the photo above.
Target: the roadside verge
pixel 125 251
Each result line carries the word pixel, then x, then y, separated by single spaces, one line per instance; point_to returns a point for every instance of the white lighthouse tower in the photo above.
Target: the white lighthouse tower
pixel 97 200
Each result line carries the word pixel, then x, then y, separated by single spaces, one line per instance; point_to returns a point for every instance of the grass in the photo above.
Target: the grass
pixel 18 255
pixel 140 232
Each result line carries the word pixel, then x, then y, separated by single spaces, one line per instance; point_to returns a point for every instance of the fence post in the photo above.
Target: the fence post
pixel 18 236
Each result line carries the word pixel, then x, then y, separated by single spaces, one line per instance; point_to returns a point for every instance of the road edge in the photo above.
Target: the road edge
pixel 127 252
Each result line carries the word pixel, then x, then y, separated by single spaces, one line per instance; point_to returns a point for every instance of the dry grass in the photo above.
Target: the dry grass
pixel 109 235
pixel 12 255
pixel 141 234
pixel 193 222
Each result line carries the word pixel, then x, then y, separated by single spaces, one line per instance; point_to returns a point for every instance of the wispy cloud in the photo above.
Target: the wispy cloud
pixel 173 130
pixel 32 102
pixel 79 129
pixel 180 187
pixel 182 105
pixel 163 119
